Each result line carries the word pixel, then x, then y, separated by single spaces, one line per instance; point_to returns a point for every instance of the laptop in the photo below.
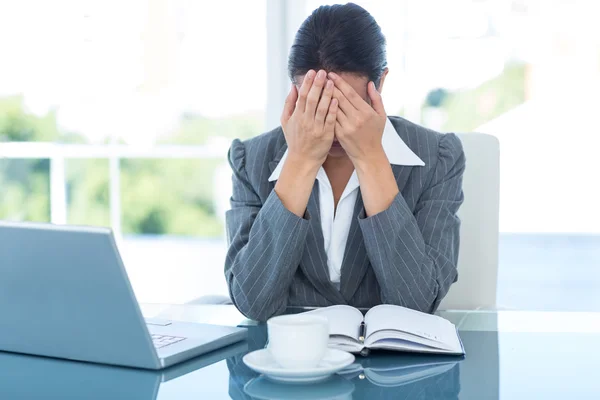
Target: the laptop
pixel 64 293
pixel 30 377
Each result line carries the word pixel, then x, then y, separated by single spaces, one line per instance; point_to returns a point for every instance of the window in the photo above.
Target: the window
pixel 189 76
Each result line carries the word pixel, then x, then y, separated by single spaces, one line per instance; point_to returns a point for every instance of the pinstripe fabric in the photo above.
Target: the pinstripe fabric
pixel 405 255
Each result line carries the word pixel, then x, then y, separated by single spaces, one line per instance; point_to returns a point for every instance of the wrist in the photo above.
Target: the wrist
pixel 302 165
pixel 373 159
pixel 295 183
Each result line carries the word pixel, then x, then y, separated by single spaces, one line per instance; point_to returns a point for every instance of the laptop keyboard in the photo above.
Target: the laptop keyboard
pixel 164 340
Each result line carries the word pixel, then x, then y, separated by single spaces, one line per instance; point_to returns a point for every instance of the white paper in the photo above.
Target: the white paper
pixel 343 320
pixel 434 329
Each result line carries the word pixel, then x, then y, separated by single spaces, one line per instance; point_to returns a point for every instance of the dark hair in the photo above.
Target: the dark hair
pixel 339 38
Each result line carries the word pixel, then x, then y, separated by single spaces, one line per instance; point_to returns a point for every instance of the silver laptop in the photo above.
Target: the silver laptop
pixel 64 293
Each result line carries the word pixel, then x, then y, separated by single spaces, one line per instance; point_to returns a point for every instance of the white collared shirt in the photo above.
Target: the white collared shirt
pixel 336 224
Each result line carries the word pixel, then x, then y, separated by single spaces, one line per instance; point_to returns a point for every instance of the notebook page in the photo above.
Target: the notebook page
pixel 343 320
pixel 403 319
pixel 385 334
pixel 345 343
pixel 406 346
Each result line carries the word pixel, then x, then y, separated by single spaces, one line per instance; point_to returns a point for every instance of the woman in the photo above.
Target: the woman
pixel 341 204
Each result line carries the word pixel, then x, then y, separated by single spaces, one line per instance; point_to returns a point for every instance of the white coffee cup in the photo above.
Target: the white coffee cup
pixel 298 341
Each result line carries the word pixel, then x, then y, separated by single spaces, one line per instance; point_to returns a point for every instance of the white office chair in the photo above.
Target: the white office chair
pixel 478 257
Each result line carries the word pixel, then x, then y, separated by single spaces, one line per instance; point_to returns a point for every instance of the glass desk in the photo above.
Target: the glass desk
pixel 510 355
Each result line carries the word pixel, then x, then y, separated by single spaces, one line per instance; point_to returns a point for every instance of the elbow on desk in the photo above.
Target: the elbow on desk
pixel 258 309
pixel 255 313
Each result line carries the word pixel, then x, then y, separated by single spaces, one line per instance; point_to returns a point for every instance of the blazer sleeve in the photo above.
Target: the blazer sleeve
pixel 266 242
pixel 414 256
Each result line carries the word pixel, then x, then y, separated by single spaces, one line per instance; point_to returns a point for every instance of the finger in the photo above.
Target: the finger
pixel 289 105
pixel 325 102
pixel 330 120
pixel 312 100
pixel 348 91
pixel 306 85
pixel 345 104
pixel 342 118
pixel 376 100
pixel 338 130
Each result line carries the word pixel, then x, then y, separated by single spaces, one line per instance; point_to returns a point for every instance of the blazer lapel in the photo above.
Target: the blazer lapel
pixel 314 258
pixel 402 173
pixel 356 260
pixel 278 156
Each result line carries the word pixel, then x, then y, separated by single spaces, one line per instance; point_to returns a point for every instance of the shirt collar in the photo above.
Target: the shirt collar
pixel 397 152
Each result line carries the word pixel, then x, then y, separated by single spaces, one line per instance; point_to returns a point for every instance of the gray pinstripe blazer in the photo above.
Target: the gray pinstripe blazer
pixel 405 255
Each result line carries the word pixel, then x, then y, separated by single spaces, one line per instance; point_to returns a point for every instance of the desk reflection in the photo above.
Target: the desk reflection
pixel 382 375
pixel 30 377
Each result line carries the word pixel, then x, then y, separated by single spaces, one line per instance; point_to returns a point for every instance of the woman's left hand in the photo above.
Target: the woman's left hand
pixel 359 126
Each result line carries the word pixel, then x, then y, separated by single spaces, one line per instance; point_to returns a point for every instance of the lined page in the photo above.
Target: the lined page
pixel 431 327
pixel 343 320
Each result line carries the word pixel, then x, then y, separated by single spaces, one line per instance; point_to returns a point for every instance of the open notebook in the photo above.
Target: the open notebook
pixel 391 328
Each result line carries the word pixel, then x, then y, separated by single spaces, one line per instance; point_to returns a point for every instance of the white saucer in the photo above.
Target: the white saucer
pixel 335 387
pixel 262 362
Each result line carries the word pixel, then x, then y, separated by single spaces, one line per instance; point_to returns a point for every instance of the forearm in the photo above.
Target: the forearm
pixel 404 272
pixel 407 269
pixel 295 183
pixel 414 250
pixel 262 259
pixel 378 185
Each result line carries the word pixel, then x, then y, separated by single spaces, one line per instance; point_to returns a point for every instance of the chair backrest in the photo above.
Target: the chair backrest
pixel 479 214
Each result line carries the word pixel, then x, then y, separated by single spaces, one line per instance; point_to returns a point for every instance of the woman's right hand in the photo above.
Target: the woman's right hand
pixel 309 117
